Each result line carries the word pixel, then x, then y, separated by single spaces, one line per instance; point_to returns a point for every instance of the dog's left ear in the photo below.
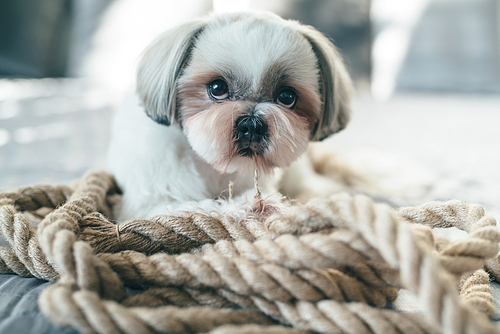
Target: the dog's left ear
pixel 159 68
pixel 335 84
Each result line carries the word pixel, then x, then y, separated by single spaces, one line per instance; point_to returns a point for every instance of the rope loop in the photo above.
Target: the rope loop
pixel 330 265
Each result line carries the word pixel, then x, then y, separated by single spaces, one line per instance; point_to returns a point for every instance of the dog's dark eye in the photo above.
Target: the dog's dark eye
pixel 218 89
pixel 287 98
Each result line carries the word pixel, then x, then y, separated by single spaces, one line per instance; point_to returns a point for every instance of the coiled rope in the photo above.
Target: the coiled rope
pixel 327 266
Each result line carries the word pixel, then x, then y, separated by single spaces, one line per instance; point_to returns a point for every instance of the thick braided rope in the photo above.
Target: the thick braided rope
pixel 85 275
pixel 36 197
pixel 170 233
pixel 75 259
pixel 329 316
pixel 42 299
pixel 180 233
pixel 476 292
pixel 340 250
pixel 474 286
pixel 419 270
pixel 326 316
pixel 256 329
pixel 173 234
pixel 459 215
pixel 311 267
pixel 87 312
pixel 263 302
pixel 457 257
pixel 255 299
pixel 301 315
pixel 25 257
pixel 462 255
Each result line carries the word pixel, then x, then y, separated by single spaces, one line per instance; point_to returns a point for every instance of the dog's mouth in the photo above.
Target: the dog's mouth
pixel 250 149
pixel 246 152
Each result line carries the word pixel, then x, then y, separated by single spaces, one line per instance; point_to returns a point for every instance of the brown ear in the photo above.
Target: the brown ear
pixel 159 68
pixel 335 86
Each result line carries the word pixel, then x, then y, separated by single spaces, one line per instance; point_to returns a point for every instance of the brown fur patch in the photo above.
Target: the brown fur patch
pixel 210 132
pixel 209 125
pixel 308 105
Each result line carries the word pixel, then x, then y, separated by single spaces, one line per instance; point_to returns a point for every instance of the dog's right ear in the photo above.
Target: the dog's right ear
pixel 159 68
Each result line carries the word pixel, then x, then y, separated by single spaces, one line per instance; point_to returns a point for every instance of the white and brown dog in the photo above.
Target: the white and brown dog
pixel 218 99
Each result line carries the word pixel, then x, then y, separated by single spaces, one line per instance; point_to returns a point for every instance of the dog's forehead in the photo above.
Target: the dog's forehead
pixel 254 52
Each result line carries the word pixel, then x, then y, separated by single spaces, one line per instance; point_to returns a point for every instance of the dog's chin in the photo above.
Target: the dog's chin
pixel 210 133
pixel 247 162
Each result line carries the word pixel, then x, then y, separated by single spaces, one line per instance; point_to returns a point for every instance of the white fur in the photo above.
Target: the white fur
pixel 157 168
pixel 156 165
pixel 249 47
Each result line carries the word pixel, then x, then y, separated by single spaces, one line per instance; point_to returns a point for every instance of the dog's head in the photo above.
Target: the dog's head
pixel 248 89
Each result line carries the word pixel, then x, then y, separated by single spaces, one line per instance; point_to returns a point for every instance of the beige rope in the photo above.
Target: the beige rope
pixel 87 312
pixel 474 288
pixel 256 329
pixel 475 291
pixel 301 279
pixel 359 213
pixel 453 213
pixel 325 316
pixel 418 269
pixel 10 263
pixel 244 267
pixel 25 248
pixel 171 234
pixel 35 197
pixel 179 296
pixel 75 259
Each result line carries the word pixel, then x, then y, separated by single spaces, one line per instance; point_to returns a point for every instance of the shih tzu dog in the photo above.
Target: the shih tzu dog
pixel 219 99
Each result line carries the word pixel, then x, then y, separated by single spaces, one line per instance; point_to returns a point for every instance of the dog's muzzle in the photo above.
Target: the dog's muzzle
pixel 250 133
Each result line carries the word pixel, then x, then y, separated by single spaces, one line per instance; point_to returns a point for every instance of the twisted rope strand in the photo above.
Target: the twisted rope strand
pixel 419 271
pixel 475 291
pixel 245 273
pixel 179 296
pixel 89 314
pixel 10 264
pixel 85 311
pixel 171 234
pixel 75 260
pixel 36 197
pixel 342 211
pixel 256 329
pixel 453 213
pixel 26 250
pixel 367 239
pixel 464 255
pixel 329 316
pixel 341 250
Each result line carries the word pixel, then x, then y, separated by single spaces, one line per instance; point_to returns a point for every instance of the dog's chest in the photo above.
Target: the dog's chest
pixel 217 184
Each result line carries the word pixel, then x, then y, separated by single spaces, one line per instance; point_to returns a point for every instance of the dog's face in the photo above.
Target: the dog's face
pixel 249 90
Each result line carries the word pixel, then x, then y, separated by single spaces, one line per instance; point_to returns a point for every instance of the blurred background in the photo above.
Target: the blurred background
pixel 427 72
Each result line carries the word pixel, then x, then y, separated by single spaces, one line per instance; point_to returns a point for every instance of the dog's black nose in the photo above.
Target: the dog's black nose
pixel 251 128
